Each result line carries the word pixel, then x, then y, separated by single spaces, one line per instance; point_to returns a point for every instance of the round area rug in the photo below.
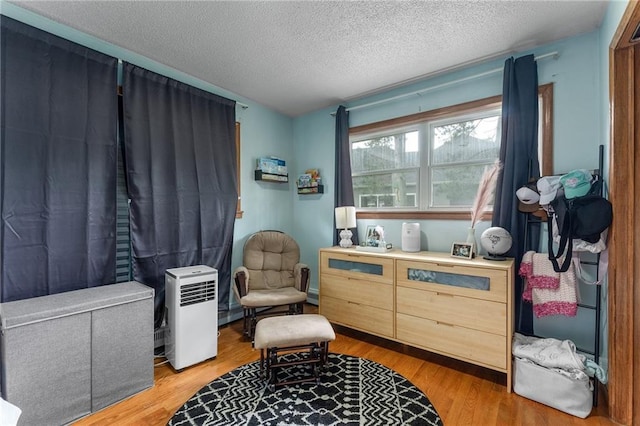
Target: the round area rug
pixel 352 391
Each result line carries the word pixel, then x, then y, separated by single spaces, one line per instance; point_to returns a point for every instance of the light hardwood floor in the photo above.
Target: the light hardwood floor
pixel 463 394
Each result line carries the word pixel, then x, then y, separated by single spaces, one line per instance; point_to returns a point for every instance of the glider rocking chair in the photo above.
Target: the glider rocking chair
pixel 271 275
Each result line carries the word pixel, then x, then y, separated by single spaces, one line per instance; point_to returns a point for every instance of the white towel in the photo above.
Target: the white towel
pixel 549 352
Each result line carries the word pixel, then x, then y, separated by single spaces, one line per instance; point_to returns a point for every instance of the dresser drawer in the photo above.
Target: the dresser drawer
pixel 460 342
pixel 454 279
pixel 354 265
pixel 358 291
pixel 472 313
pixel 362 317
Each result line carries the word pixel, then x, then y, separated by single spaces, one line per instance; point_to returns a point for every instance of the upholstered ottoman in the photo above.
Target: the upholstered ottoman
pixel 306 335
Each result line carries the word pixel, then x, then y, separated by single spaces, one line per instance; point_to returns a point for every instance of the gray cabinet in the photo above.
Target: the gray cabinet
pixel 67 355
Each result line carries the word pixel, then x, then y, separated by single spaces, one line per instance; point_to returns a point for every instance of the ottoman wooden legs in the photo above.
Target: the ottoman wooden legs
pixel 313 355
pixel 289 341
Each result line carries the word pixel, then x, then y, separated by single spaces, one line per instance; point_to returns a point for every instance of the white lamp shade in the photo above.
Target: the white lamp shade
pixel 345 217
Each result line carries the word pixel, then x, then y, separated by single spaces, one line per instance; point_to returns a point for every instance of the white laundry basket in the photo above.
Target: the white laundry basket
pixel 552 388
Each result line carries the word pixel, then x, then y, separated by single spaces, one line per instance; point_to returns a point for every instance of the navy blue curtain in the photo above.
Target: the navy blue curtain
pixel 58 132
pixel 344 184
pixel 181 175
pixel 519 156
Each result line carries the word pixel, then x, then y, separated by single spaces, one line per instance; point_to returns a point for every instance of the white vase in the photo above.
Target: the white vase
pixel 471 239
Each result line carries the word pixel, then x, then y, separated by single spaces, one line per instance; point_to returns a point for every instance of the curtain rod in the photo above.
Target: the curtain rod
pixel 439 86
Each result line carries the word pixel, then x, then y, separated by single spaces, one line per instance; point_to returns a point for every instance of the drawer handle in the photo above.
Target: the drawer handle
pixel 448 265
pixel 444 294
pixel 352 303
pixel 445 323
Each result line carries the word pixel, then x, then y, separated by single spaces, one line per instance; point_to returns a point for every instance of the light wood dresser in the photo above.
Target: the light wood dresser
pixel 455 307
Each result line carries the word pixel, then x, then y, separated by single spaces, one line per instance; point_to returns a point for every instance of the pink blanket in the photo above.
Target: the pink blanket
pixel 552 293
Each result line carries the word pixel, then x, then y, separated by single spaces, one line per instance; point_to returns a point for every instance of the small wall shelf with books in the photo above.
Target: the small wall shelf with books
pixel 271 169
pixel 310 182
pixel 311 189
pixel 271 177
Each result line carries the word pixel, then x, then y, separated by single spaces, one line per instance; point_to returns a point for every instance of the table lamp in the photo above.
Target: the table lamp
pixel 345 219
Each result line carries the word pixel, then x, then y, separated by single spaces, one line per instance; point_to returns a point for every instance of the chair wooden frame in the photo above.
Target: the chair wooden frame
pixel 250 315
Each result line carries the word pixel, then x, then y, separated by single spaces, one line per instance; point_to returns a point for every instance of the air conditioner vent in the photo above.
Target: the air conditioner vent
pixel 190 294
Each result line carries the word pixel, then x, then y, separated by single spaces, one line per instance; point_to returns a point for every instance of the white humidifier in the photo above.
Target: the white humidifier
pixel 411 237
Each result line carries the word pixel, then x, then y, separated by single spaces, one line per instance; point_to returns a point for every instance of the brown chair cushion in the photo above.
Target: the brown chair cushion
pixel 270 257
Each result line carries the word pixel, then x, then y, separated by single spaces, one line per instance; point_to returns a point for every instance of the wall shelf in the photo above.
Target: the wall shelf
pixel 270 177
pixel 311 189
pixel 309 182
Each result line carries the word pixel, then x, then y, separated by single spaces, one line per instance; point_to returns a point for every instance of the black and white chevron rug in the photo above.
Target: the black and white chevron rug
pixel 352 391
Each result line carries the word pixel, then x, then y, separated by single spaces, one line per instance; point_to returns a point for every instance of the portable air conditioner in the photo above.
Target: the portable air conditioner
pixel 191 309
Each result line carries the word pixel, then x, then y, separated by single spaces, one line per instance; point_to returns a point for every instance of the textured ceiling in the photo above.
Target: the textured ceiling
pixel 300 56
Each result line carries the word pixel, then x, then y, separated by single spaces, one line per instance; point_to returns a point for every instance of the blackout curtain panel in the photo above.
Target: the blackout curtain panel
pixel 181 174
pixel 57 164
pixel 519 156
pixel 344 183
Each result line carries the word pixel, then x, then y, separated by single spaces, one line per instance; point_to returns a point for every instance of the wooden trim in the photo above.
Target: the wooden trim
pixel 467 107
pixel 624 238
pixel 546 116
pixel 622 260
pixel 635 304
pixel 628 24
pixel 419 214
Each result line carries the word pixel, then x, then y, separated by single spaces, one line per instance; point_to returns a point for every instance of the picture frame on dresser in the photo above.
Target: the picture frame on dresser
pixel 462 250
pixel 373 236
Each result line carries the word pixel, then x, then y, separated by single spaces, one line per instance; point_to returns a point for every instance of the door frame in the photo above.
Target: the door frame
pixel 624 245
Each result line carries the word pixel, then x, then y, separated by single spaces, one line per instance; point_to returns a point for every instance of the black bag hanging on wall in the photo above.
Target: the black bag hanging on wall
pixel 581 217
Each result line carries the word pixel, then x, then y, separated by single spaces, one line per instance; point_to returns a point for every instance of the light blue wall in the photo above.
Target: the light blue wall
pixel 577 129
pixel 266 205
pixel 314 148
pixel 263 132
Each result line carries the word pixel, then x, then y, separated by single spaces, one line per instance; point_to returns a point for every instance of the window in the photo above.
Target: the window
pixel 385 169
pixel 429 165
